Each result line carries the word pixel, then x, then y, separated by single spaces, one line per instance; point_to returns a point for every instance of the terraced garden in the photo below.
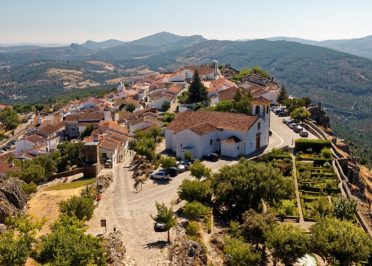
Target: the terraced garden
pixel 318 185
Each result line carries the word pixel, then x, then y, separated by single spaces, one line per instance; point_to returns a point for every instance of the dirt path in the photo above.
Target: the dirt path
pixel 294 174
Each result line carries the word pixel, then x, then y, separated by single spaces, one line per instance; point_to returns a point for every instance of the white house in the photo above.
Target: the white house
pixel 206 72
pixel 159 97
pixel 204 132
pixel 29 143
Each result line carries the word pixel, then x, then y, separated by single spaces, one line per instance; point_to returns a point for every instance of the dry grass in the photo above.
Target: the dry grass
pixel 72 185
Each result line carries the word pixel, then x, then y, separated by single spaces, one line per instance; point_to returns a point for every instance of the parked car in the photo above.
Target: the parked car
pixel 287 120
pixel 160 227
pixel 172 171
pixel 304 133
pixel 181 168
pixel 213 157
pixel 298 129
pixel 186 164
pixel 292 125
pixel 160 175
pixel 108 163
pixel 282 114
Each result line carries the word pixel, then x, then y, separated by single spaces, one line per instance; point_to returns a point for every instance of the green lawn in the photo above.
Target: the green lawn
pixel 75 184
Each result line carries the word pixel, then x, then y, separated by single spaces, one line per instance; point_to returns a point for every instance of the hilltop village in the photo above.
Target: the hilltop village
pixel 193 157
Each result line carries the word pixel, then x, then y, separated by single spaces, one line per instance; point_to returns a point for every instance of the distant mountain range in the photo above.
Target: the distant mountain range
pixel 340 80
pixel 359 46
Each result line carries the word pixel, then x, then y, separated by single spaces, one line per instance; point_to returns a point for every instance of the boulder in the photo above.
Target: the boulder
pixel 12 198
pixel 187 252
pixel 115 249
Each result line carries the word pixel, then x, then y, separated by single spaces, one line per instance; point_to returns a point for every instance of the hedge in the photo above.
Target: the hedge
pixel 316 145
pixel 321 161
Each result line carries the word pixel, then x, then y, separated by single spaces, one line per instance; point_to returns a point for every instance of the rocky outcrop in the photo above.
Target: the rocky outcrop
pixel 187 252
pixel 12 198
pixel 115 249
pixel 319 116
pixel 104 181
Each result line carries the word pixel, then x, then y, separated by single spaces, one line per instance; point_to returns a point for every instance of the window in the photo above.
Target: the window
pixel 259 125
pixel 267 109
pixel 237 147
pixel 211 142
pixel 257 110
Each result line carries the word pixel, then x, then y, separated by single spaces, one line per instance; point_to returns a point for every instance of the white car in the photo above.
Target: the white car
pixel 298 129
pixel 160 175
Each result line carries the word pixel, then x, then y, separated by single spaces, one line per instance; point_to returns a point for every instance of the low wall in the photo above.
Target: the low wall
pixel 66 173
pixel 314 129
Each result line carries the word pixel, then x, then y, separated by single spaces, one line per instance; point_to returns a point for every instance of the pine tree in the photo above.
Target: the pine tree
pixel 197 91
pixel 283 95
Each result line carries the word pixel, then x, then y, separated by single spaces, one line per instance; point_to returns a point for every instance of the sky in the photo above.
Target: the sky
pixel 67 21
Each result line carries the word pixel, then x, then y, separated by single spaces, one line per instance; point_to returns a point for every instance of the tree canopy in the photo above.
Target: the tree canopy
pixel 288 243
pixel 256 225
pixel 9 118
pixel 199 170
pixel 239 253
pixel 340 241
pixel 243 186
pixel 68 244
pixel 194 190
pixel 300 114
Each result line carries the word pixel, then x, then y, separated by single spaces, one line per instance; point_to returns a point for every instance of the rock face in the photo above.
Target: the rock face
pixel 188 253
pixel 319 116
pixel 115 249
pixel 12 198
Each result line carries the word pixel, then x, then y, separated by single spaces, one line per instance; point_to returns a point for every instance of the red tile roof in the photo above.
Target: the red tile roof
pixel 205 121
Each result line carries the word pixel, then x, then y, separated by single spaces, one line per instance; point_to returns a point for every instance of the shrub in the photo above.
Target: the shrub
pixel 321 161
pixel 188 156
pixel 326 153
pixel 240 253
pixel 192 228
pixel 196 210
pixel 314 144
pixel 29 188
pixel 80 207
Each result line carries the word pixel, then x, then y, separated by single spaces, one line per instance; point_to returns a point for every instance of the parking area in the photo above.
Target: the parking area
pixel 282 132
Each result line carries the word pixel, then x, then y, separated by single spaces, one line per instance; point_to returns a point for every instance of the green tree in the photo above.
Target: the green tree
pixel 87 132
pixel 224 106
pixel 197 93
pixel 49 162
pixel 165 106
pixel 187 156
pixel 39 107
pixel 344 209
pixel 9 118
pixel 300 114
pixel 167 162
pixel 199 170
pixel 32 173
pixel 130 107
pixel 72 153
pixel 243 102
pixel 307 101
pixel 283 95
pixel 16 242
pixel 340 241
pixel 68 244
pixel 256 225
pixel 243 186
pixel 79 206
pixel 168 117
pixel 165 215
pixel 196 210
pixel 239 253
pixel 194 190
pixel 288 243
